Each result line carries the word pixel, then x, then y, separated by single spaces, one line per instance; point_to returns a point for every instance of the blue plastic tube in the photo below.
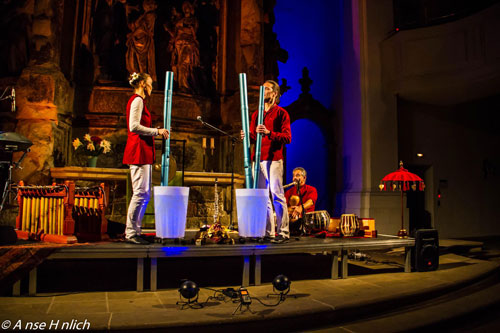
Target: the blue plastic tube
pixel 245 124
pixel 258 143
pixel 167 116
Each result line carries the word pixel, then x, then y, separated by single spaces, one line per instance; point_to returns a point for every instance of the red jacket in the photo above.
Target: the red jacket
pixel 307 192
pixel 278 122
pixel 140 149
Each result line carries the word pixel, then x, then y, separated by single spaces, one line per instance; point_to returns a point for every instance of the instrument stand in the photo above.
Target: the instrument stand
pixel 6 189
pixel 233 143
pixel 8 181
pixel 240 307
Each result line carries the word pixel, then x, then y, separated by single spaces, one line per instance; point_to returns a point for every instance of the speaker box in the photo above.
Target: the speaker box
pixel 426 252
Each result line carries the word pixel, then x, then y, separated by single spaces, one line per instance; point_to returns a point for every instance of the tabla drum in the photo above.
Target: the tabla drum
pixel 316 221
pixel 349 225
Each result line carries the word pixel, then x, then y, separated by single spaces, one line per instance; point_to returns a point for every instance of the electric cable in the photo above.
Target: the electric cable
pixel 280 300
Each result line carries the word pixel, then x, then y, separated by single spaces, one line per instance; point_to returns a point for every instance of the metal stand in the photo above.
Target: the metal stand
pixel 8 182
pixel 6 189
pixel 282 295
pixel 233 143
pixel 183 154
pixel 240 307
pixel 193 304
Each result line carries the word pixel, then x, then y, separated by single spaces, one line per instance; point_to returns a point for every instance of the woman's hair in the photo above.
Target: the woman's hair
pixel 135 78
pixel 276 89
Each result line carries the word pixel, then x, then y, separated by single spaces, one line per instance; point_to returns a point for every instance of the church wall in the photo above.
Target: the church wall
pixel 446 79
pixel 460 143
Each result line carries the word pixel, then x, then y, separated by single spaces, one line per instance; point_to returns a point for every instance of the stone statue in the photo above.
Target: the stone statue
pixel 140 42
pixel 184 47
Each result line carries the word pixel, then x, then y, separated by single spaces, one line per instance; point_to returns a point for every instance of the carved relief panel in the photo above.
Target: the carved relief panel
pixel 155 36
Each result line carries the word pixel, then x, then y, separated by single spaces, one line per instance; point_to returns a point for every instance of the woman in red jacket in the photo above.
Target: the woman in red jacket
pixel 139 153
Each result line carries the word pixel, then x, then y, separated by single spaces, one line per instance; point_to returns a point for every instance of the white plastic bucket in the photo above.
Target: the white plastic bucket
pixel 171 204
pixel 251 205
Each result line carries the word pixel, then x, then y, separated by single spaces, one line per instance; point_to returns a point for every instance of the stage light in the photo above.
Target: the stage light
pixel 189 289
pixel 281 283
pixel 420 155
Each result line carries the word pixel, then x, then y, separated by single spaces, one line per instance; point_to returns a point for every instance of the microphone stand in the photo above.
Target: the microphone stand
pixel 233 143
pixel 302 204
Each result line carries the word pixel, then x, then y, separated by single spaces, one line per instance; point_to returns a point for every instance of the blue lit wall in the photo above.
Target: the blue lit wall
pixel 311 32
pixel 299 153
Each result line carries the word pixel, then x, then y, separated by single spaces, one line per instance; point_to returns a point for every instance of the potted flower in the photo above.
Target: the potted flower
pixel 92 146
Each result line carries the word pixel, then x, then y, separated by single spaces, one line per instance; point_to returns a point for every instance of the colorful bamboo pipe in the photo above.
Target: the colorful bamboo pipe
pixel 245 124
pixel 258 143
pixel 167 116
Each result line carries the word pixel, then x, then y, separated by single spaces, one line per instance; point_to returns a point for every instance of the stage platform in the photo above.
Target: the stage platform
pixel 390 301
pixel 250 252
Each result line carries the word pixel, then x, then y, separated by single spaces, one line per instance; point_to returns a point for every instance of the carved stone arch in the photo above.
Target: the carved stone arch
pixel 306 107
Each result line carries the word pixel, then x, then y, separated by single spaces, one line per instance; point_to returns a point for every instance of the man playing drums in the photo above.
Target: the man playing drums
pixel 300 198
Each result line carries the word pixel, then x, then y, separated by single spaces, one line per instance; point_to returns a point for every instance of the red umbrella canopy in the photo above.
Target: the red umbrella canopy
pixel 402 179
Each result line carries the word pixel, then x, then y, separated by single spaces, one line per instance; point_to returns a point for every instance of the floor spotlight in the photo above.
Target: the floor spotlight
pixel 281 284
pixel 189 291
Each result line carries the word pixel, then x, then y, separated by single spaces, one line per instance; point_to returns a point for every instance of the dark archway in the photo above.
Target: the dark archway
pixel 308 114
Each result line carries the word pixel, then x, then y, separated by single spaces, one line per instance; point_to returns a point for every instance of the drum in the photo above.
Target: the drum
pixel 316 221
pixel 349 225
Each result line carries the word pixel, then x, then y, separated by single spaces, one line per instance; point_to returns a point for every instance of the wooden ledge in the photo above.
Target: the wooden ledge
pixel 84 173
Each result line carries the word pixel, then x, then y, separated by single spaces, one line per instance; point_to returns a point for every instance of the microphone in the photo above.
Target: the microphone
pixel 289 185
pixel 13 98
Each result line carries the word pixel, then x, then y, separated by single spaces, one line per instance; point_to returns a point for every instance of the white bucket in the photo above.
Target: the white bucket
pixel 251 205
pixel 171 204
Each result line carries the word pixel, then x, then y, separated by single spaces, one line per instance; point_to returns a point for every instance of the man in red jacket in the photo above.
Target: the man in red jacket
pixel 139 154
pixel 300 198
pixel 276 133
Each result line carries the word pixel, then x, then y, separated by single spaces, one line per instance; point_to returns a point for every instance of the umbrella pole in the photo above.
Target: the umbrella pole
pixel 402 233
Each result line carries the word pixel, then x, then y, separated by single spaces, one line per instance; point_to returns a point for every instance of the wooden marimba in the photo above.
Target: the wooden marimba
pixel 59 212
pixel 45 212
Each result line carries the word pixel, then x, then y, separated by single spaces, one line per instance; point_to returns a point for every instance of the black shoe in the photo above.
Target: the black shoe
pixel 280 240
pixel 137 240
pixel 268 239
pixel 149 239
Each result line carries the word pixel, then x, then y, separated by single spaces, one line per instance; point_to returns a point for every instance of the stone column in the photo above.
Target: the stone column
pixel 368 118
pixel 44 96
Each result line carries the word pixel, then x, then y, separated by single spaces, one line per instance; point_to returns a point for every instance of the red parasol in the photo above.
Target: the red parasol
pixel 402 180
